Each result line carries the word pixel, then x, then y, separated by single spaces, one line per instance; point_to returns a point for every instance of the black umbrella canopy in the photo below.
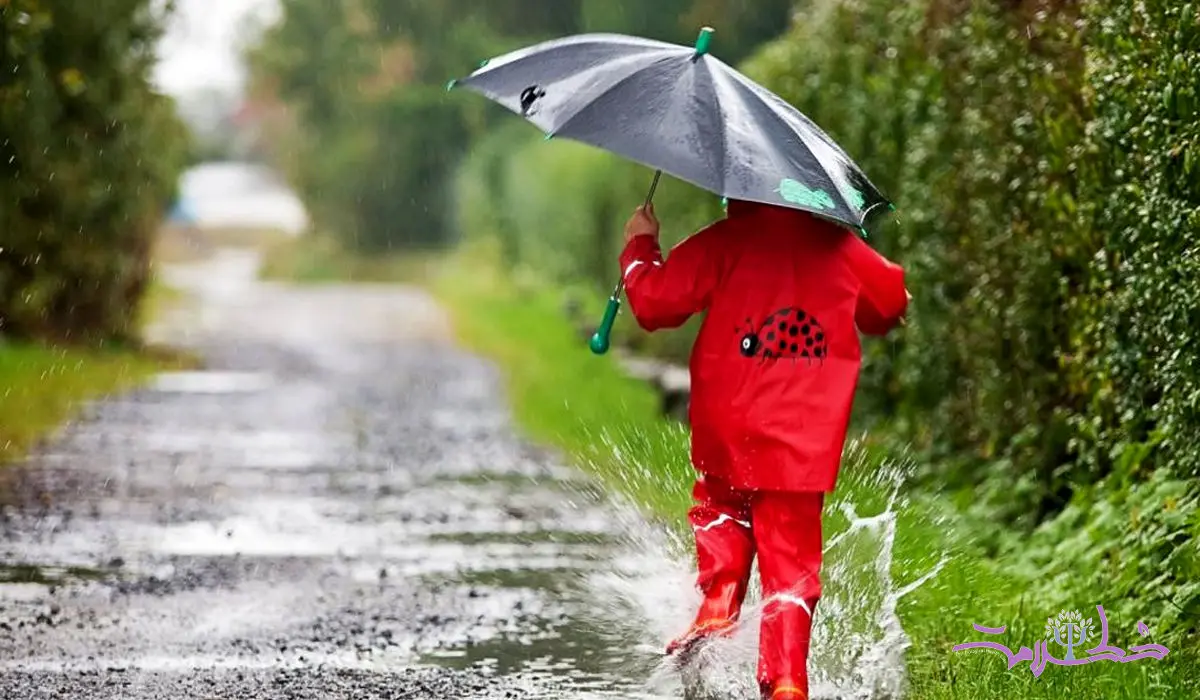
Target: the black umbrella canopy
pixel 683 111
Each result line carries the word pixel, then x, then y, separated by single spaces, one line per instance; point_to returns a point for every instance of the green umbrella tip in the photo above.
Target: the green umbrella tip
pixel 549 136
pixel 863 230
pixel 450 85
pixel 704 41
pixel 891 207
pixel 485 62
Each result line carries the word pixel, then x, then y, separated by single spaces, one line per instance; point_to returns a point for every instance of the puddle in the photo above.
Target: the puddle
pixel 283 450
pixel 211 382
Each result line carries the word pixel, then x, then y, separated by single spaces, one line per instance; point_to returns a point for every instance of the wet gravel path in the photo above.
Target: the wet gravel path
pixel 335 507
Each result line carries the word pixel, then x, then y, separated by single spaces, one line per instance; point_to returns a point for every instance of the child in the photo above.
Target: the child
pixel 774 370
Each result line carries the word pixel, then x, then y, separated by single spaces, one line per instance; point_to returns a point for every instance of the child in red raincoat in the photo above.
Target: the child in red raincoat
pixel 773 371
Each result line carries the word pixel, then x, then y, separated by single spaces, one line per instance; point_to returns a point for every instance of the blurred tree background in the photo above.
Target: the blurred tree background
pixel 89 158
pixel 1045 160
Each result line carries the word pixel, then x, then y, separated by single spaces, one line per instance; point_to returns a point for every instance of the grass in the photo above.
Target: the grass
pixel 565 397
pixel 43 386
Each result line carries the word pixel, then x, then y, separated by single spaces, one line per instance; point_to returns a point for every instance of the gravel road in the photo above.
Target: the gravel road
pixel 335 507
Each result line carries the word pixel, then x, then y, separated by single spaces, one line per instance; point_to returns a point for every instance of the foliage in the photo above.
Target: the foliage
pixel 88 162
pixel 1133 341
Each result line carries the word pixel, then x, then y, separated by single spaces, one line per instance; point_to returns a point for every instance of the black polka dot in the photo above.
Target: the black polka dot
pixel 783 345
pixel 769 321
pixel 783 325
pixel 793 331
pixel 819 352
pixel 794 348
pixel 820 337
pixel 771 336
pixel 804 354
pixel 805 330
pixel 810 342
pixel 800 315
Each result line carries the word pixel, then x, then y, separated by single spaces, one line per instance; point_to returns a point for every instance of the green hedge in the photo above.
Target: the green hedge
pixel 88 161
pixel 1136 319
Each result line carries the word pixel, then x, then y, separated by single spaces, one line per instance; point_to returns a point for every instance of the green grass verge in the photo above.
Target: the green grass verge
pixel 42 386
pixel 565 397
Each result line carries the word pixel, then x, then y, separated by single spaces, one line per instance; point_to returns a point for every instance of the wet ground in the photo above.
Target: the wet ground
pixel 336 506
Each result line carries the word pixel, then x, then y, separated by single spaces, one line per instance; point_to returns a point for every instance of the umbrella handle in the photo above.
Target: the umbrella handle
pixel 600 339
pixel 599 342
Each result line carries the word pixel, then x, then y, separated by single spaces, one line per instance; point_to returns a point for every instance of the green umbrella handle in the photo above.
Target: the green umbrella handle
pixel 599 342
pixel 600 339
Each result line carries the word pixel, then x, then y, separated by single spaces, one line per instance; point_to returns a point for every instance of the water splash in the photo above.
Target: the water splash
pixel 859 642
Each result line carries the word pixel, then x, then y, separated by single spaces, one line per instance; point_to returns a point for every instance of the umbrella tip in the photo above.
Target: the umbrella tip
pixel 450 85
pixel 704 41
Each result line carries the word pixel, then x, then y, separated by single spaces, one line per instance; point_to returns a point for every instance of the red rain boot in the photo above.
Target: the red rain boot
pixel 717 617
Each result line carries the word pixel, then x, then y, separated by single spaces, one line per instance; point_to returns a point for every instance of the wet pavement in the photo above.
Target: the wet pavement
pixel 336 506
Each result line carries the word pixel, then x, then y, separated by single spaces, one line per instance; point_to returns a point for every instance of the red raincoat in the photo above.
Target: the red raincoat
pixel 776 363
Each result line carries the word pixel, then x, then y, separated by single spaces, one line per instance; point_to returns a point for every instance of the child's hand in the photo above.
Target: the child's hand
pixel 642 223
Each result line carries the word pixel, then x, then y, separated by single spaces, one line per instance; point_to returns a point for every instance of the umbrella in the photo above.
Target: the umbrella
pixel 681 111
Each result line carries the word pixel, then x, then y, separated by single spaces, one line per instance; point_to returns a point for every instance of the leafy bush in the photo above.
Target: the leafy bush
pixel 1132 346
pixel 88 162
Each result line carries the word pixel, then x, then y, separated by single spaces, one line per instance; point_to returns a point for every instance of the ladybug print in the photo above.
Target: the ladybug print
pixel 788 333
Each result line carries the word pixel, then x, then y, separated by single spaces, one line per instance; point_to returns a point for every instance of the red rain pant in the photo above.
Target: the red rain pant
pixel 784 529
